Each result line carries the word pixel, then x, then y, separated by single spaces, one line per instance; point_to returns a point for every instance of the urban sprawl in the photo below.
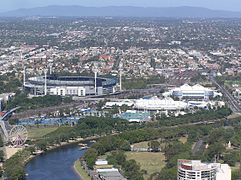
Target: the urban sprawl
pixel 156 98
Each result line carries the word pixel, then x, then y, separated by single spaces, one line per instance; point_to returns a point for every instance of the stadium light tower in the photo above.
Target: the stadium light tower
pixel 45 81
pixel 120 71
pixel 95 70
pixel 95 82
pixel 50 68
pixel 23 66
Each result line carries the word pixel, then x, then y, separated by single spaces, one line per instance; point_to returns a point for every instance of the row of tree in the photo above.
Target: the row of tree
pixel 130 168
pixel 22 100
pixel 9 83
pixel 141 83
pixel 199 116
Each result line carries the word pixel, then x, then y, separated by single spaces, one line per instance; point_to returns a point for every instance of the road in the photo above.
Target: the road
pixel 233 104
pixel 197 147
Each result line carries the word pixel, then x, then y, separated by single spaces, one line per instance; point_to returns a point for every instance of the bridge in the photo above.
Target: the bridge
pixel 8 114
pixel 4 123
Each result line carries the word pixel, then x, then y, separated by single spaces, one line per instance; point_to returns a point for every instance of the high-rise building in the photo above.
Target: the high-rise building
pixel 196 170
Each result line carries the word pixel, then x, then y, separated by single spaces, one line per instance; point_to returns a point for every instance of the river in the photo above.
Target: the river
pixel 56 164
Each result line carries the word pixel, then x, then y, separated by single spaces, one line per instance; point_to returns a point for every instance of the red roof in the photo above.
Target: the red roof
pixel 2 113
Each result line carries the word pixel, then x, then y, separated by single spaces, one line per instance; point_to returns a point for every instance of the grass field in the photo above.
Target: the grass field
pixel 143 144
pixel 149 161
pixel 37 133
pixel 78 168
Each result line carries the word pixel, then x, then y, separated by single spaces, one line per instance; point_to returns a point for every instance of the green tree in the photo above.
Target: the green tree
pixel 231 158
pixel 132 170
pixel 154 146
pixel 90 157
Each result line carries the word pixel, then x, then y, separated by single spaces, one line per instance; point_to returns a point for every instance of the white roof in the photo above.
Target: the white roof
pixel 196 87
pixel 155 103
pixel 101 162
pixel 119 103
pixel 107 170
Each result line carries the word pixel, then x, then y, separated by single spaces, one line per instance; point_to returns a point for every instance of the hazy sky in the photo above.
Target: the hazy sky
pixel 234 5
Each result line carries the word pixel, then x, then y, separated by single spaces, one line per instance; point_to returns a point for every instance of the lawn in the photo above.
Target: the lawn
pixel 82 173
pixel 143 144
pixel 149 161
pixel 37 133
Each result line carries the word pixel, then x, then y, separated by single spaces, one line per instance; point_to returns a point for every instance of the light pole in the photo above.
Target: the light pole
pixel 45 81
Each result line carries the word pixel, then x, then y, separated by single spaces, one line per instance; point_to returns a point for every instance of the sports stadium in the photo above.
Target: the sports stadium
pixel 192 92
pixel 69 85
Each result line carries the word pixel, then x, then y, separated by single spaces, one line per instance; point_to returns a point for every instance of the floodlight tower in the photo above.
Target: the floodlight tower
pixel 95 70
pixel 50 68
pixel 96 81
pixel 24 68
pixel 120 71
pixel 45 81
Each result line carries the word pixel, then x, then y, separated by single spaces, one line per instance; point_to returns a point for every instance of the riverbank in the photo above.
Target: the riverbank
pixel 56 146
pixel 21 157
pixel 80 171
pixel 10 151
pixel 62 158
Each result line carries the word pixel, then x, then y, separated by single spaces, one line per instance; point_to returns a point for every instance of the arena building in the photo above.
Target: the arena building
pixel 154 103
pixel 70 85
pixel 196 91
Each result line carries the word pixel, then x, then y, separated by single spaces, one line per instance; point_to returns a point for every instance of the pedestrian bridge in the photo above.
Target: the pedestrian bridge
pixel 8 114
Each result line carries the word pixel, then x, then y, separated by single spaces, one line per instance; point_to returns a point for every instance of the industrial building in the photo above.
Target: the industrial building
pixel 154 103
pixel 196 91
pixel 69 85
pixel 196 170
pixel 104 171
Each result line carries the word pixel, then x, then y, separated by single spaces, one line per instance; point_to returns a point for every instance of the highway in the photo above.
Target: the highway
pixel 232 102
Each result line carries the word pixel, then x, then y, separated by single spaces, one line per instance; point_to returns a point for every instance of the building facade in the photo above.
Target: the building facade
pixel 196 170
pixel 196 91
pixel 155 103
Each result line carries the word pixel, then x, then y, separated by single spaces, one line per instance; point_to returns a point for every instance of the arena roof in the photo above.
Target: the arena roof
pixel 53 80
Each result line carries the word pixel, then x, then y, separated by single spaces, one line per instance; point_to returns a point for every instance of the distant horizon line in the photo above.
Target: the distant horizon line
pixel 21 8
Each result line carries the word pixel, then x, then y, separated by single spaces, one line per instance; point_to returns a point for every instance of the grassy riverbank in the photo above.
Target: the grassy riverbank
pixel 39 132
pixel 80 171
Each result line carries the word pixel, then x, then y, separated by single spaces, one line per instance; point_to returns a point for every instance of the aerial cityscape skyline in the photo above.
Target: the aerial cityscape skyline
pixel 124 90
